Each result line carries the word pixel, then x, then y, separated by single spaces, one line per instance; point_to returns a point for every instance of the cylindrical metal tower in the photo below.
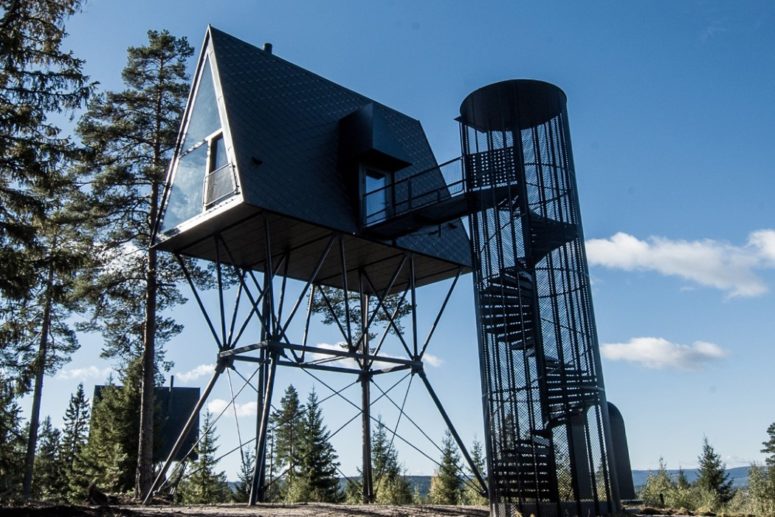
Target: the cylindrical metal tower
pixel 546 418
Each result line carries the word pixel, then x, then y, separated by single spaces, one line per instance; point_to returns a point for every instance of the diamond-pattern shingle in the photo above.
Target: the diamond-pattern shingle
pixel 284 124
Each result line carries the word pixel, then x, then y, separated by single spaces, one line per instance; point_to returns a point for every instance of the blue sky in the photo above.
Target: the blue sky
pixel 672 112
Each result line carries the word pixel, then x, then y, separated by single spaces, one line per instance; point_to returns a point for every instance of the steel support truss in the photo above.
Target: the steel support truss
pixel 265 296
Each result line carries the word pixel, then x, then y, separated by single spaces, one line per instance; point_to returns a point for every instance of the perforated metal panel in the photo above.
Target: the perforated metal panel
pixel 545 408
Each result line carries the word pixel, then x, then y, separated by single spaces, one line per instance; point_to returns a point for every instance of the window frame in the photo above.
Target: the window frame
pixel 211 142
pixel 375 172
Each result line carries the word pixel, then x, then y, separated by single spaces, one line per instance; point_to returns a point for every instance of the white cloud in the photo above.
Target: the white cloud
pixel 203 370
pixel 82 374
pixel 433 360
pixel 764 242
pixel 659 353
pixel 215 406
pixel 705 262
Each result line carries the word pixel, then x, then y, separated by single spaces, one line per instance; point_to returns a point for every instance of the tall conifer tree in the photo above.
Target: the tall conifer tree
pixel 38 79
pixel 446 485
pixel 712 473
pixel 131 135
pixel 48 468
pixel 205 485
pixel 390 485
pixel 110 454
pixel 287 425
pixel 316 478
pixel 11 443
pixel 471 494
pixel 769 447
pixel 74 438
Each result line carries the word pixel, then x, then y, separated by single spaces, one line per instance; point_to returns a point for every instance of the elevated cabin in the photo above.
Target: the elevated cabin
pixel 268 150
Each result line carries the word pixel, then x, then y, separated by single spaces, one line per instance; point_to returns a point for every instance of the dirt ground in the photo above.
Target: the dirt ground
pixel 264 510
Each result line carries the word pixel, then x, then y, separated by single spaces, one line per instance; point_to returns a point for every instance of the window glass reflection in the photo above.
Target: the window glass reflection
pixel 185 198
pixel 204 115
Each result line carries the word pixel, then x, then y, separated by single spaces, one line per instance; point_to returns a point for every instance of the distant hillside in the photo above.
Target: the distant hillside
pixel 422 483
pixel 738 475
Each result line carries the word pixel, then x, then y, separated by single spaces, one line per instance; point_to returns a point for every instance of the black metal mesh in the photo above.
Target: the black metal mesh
pixel 219 185
pixel 545 403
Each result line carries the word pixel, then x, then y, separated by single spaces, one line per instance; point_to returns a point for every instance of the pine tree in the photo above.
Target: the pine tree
pixel 712 473
pixel 74 439
pixel 769 446
pixel 130 135
pixel 11 443
pixel 244 477
pixel 110 454
pixel 390 485
pixel 471 493
pixel 62 255
pixel 316 476
pixel 446 485
pixel 204 485
pixel 330 303
pixel 287 422
pixel 38 79
pixel 48 468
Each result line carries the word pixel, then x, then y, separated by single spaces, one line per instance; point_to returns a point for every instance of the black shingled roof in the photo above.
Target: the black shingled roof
pixel 287 118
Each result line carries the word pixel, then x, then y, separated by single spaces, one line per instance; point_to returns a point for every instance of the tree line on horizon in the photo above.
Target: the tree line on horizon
pixel 713 491
pixel 301 466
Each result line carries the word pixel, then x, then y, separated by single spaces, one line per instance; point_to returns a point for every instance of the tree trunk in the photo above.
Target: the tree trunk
pixel 40 369
pixel 144 475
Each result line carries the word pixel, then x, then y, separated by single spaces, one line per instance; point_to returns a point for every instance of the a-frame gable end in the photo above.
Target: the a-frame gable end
pixel 203 176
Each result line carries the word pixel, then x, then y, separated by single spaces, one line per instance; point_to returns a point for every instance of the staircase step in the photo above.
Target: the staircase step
pixel 547 235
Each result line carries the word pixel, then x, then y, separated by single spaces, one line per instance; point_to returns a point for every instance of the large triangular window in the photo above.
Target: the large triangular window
pixel 204 174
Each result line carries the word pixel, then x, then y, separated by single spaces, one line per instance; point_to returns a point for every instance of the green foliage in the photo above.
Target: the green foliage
pixel 314 477
pixel 38 79
pixel 204 485
pixel 712 474
pixel 769 446
pixel 287 426
pixel 759 498
pixel 446 484
pixel 11 444
pixel 74 439
pixel 681 481
pixel 244 477
pixel 471 495
pixel 130 135
pixel 330 303
pixel 390 485
pixel 48 467
pixel 110 455
pixel 353 491
pixel 658 486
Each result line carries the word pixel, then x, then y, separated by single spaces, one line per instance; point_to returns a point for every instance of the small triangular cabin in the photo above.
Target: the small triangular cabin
pixel 271 156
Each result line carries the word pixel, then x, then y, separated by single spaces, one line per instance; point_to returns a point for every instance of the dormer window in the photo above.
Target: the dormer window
pixel 376 195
